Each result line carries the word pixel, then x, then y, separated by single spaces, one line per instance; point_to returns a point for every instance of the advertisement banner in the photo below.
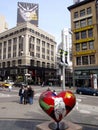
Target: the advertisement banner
pixel 95 80
pixel 27 12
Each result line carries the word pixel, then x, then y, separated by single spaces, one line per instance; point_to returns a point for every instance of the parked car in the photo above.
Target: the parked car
pixel 19 84
pixel 87 91
pixel 6 85
pixel 9 82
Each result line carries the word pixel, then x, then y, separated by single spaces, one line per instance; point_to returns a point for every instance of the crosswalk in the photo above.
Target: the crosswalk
pixel 2 95
pixel 79 107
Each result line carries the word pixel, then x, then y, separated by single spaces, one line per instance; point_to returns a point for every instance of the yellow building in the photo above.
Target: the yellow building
pixel 84 25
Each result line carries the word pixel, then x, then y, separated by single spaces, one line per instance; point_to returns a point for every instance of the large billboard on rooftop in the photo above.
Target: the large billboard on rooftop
pixel 27 12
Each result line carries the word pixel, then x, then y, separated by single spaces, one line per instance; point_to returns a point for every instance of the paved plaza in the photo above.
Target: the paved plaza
pixel 11 110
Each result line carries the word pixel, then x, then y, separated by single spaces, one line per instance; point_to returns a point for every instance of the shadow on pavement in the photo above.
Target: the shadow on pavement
pixel 18 124
pixel 28 125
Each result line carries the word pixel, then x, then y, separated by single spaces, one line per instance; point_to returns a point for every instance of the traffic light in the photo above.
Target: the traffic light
pixel 66 53
pixel 61 55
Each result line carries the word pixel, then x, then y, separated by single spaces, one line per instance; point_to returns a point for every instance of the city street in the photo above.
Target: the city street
pixel 15 116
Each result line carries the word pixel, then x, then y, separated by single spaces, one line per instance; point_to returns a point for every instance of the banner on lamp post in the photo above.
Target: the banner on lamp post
pixel 95 80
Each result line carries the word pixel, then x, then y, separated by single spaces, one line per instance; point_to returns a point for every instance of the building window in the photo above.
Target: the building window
pixel 38 48
pixel 38 63
pixel 52 53
pixel 82 12
pixel 52 58
pixel 48 65
pixel 52 65
pixel 43 50
pixel 31 39
pixel 43 56
pixel 90 33
pixel 38 41
pixel 8 64
pixel 9 49
pixel 43 64
pixel 9 55
pixel 76 24
pixel 21 40
pixel 70 55
pixel 89 21
pixel 78 60
pixel 83 35
pixel 4 43
pixel 31 53
pixel 92 59
pixel 91 44
pixel 48 58
pixel 48 51
pixel 13 63
pixel 77 47
pixel 19 62
pixel 77 36
pixel 32 62
pixel 3 64
pixel 38 55
pixel 84 46
pixel 48 45
pixel 43 43
pixel 89 10
pixel 83 23
pixel 75 14
pixel 85 60
pixel 14 47
pixel 14 40
pixel 31 47
pixel 52 47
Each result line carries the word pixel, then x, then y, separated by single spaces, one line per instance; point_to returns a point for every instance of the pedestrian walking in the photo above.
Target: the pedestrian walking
pixel 21 94
pixel 54 92
pixel 10 88
pixel 43 84
pixel 25 95
pixel 30 94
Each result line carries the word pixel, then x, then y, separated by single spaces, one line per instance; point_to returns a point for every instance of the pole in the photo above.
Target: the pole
pixel 63 65
pixel 63 85
pixel 73 78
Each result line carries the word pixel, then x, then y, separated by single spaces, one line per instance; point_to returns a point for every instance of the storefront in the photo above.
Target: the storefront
pixel 86 76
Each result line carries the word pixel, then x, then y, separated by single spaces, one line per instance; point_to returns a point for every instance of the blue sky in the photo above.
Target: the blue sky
pixel 53 14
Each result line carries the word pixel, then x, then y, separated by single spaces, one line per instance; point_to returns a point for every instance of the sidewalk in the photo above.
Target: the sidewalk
pixel 20 111
pixel 14 110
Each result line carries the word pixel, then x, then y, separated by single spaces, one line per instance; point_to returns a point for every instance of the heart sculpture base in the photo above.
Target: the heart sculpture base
pixel 70 126
pixel 58 126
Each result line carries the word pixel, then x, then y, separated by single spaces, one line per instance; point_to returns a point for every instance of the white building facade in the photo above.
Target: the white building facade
pixel 66 35
pixel 27 49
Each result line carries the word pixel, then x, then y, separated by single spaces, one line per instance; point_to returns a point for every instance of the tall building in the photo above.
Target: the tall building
pixel 27 49
pixel 66 47
pixel 84 25
pixel 3 24
pixel 67 39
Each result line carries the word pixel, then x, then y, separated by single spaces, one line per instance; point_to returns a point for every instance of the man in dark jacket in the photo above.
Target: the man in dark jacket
pixel 30 95
pixel 25 95
pixel 21 94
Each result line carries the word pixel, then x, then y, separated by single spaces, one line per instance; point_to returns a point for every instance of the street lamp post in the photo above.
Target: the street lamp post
pixel 63 64
pixel 26 78
pixel 63 60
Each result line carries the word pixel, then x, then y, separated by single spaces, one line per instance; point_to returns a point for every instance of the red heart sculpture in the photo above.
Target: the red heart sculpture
pixel 57 106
